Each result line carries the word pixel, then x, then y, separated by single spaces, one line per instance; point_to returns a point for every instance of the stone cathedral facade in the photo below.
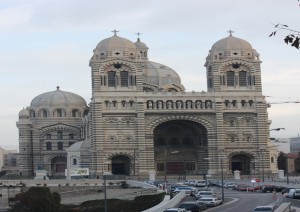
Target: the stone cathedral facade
pixel 142 119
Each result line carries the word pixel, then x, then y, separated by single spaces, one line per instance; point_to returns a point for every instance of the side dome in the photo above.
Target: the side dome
pixel 143 49
pixel 115 46
pixel 232 47
pixel 58 98
pixel 24 114
pixel 231 43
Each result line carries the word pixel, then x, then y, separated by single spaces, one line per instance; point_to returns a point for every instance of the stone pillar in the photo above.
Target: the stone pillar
pixel 152 174
pixel 281 174
pixel 237 175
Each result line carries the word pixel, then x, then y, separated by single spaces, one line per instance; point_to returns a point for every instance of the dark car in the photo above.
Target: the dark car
pixel 271 188
pixel 193 206
pixel 286 191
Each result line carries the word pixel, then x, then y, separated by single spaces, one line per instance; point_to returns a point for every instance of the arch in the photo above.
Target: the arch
pixel 242 161
pixel 200 120
pixel 179 143
pixel 75 113
pixel 120 165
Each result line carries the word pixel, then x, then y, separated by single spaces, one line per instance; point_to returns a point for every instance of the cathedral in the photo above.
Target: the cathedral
pixel 141 119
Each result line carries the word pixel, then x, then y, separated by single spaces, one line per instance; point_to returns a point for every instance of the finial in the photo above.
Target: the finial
pixel 230 32
pixel 57 87
pixel 115 32
pixel 138 34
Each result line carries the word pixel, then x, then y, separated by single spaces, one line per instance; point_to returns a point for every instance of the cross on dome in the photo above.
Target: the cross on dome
pixel 230 32
pixel 115 32
pixel 138 34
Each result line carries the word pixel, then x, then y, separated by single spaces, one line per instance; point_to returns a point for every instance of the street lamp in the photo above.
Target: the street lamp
pixel 222 177
pixel 262 164
pixel 277 129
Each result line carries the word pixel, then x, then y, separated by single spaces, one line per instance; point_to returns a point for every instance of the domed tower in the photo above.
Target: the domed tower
pixel 142 47
pixel 233 65
pixel 46 128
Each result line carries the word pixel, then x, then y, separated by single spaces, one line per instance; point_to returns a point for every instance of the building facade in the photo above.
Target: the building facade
pixel 141 119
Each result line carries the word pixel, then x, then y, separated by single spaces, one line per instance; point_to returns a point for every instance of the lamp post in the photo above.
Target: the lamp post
pixel 105 197
pixel 287 170
pixel 222 179
pixel 165 165
pixel 206 170
pixel 262 164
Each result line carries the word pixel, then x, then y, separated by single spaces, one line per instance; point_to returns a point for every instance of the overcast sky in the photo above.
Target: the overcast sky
pixel 48 43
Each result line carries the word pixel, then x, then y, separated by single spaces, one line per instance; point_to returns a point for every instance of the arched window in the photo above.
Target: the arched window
pixel 59 113
pixel 250 103
pixel 243 102
pixel 243 78
pixel 75 113
pixel 59 135
pixel 74 161
pixel 48 146
pixel 124 78
pixel 227 103
pixel 44 113
pixel 234 103
pixel 230 78
pixel 111 79
pixel 32 114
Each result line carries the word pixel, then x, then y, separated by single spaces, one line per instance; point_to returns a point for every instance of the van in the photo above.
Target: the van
pixel 294 193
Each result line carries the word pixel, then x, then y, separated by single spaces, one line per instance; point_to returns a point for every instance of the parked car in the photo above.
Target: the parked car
pixel 271 188
pixel 193 206
pixel 210 201
pixel 286 191
pixel 172 187
pixel 187 189
pixel 230 185
pixel 201 194
pixel 267 208
pixel 212 182
pixel 175 210
pixel 201 183
pixel 190 182
pixel 294 193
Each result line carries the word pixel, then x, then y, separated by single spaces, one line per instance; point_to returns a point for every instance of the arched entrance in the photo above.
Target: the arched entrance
pixel 58 165
pixel 241 162
pixel 120 165
pixel 180 147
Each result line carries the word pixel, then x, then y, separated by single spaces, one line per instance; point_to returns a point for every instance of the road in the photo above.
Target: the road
pixel 244 201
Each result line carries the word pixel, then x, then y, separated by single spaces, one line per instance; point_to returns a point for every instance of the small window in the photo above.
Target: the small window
pixel 48 136
pixel 60 145
pixel 272 159
pixel 48 146
pixel 74 161
pixel 59 113
pixel 75 113
pixel 71 136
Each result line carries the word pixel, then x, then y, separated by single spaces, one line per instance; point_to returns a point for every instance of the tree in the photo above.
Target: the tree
pixel 293 38
pixel 37 199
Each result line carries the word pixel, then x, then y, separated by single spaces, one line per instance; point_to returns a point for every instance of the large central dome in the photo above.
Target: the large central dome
pixel 58 98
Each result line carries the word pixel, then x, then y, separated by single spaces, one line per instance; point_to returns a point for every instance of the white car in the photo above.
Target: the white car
pixel 210 201
pixel 186 189
pixel 176 210
pixel 201 183
pixel 201 194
